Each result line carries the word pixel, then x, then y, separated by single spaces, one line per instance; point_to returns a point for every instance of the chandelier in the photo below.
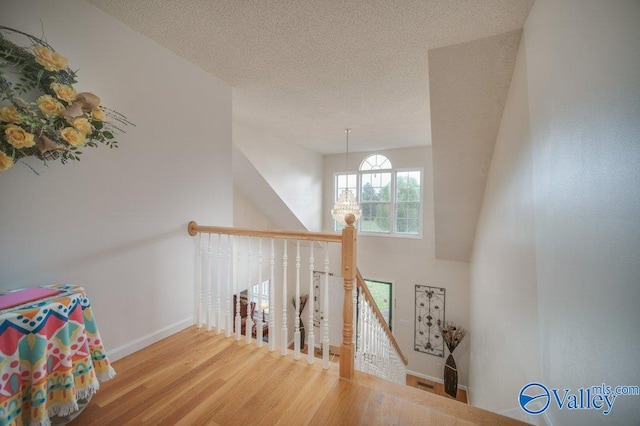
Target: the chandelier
pixel 347 202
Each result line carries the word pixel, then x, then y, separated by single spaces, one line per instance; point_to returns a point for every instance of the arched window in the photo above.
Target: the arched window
pixel 390 199
pixel 375 162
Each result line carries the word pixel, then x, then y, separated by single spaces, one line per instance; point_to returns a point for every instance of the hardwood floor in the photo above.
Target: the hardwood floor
pixel 197 378
pixel 434 387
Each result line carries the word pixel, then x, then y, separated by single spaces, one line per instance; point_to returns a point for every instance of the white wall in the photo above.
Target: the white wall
pixel 247 215
pixel 115 222
pixel 505 352
pixel 556 252
pixel 407 262
pixel 294 172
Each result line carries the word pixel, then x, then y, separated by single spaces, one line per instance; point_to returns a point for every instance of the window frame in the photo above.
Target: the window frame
pixel 337 226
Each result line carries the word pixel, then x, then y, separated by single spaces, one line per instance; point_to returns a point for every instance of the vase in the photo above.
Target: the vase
pixel 301 334
pixel 451 377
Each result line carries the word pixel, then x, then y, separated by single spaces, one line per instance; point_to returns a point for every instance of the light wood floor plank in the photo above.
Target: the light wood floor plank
pixel 199 378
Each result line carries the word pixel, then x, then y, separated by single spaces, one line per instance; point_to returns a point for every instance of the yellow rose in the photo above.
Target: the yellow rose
pixel 82 125
pixel 50 60
pixel 49 106
pixel 5 162
pixel 10 114
pixel 98 114
pixel 64 92
pixel 72 136
pixel 18 137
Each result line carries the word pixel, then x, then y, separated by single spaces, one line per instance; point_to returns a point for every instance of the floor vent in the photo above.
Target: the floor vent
pixel 425 385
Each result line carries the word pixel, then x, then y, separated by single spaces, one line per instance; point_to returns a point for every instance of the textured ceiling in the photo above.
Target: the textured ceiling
pixel 310 68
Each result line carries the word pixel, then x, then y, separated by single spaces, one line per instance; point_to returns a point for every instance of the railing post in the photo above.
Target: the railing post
pixel 349 244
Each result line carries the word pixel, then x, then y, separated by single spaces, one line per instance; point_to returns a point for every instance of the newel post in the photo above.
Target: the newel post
pixel 348 274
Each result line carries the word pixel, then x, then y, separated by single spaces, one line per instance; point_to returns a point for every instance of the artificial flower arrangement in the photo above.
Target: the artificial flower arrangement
pixel 452 335
pixel 57 122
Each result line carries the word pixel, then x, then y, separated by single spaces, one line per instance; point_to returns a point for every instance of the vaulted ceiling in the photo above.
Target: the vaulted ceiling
pixel 309 68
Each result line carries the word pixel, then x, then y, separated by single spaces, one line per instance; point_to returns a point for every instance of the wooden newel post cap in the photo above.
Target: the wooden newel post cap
pixel 191 228
pixel 350 219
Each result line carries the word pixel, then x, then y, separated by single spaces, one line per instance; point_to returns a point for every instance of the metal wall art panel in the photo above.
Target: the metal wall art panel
pixel 429 318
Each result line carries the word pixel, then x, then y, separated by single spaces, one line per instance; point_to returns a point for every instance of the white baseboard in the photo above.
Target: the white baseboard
pixel 433 379
pixel 149 339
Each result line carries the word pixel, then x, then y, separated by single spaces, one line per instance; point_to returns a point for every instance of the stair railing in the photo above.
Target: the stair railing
pixel 227 275
pixel 377 351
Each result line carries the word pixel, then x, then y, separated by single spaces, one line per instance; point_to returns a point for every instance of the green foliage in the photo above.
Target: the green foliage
pixel 407 214
pixel 407 205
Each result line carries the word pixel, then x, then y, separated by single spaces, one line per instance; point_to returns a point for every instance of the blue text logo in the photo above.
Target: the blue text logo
pixel 534 398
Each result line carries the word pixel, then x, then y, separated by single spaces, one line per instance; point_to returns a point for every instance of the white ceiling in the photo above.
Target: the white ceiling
pixel 310 68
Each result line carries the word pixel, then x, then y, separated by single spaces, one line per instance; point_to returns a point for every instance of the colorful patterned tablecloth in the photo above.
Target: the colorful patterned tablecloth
pixel 51 355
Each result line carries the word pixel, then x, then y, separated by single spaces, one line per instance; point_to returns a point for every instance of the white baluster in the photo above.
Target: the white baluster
pixel 382 346
pixel 260 288
pixel 311 302
pixel 249 321
pixel 272 318
pixel 209 267
pixel 296 334
pixel 354 320
pixel 376 359
pixel 227 325
pixel 325 310
pixel 375 352
pixel 199 282
pixel 236 289
pixel 370 337
pixel 285 333
pixel 361 347
pixel 219 285
pixel 369 342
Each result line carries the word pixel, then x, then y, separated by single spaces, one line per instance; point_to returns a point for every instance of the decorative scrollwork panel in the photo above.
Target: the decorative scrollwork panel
pixel 429 318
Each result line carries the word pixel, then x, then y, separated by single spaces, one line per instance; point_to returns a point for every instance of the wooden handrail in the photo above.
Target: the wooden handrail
pixel 350 273
pixel 348 241
pixel 369 297
pixel 331 237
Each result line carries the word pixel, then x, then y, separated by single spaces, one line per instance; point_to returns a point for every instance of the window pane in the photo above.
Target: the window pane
pixel 375 196
pixel 345 181
pixel 375 162
pixel 341 182
pixel 381 292
pixel 408 186
pixel 375 217
pixel 408 218
pixel 376 187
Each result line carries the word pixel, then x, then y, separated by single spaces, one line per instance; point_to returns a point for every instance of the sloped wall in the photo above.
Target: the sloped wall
pixel 115 223
pixel 556 252
pixel 294 172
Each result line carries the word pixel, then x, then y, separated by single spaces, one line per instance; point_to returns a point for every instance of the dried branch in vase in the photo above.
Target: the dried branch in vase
pixel 303 302
pixel 452 334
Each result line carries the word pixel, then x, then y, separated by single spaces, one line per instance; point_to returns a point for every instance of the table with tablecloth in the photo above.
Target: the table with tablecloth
pixel 51 356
